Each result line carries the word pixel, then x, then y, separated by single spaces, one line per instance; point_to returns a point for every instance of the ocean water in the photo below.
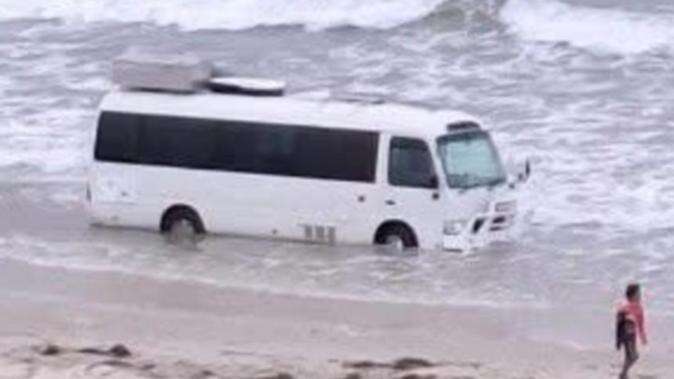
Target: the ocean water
pixel 582 88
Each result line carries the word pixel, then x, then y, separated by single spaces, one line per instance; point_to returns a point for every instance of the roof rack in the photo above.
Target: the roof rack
pixel 358 97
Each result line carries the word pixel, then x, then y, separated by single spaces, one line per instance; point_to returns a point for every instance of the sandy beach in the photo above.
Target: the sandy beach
pixel 60 323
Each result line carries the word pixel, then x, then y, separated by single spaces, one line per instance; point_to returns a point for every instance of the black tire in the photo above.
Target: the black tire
pixel 182 215
pixel 397 235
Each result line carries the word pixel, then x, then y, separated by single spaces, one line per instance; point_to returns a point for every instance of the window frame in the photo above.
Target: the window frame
pixel 131 152
pixel 333 161
pixel 422 143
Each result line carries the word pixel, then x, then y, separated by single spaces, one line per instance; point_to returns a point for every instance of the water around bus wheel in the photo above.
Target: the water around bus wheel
pixel 590 106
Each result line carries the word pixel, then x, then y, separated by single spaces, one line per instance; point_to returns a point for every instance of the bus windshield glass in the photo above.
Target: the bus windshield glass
pixel 470 160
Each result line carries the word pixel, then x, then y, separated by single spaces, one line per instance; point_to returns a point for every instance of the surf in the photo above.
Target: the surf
pixel 607 30
pixel 228 14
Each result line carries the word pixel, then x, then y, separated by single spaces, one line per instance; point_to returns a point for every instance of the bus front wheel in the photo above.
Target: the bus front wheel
pixel 396 235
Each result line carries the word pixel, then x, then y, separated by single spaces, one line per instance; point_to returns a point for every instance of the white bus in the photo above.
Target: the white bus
pixel 333 172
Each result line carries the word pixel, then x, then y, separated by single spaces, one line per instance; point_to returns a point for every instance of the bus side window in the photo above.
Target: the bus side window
pixel 410 163
pixel 117 138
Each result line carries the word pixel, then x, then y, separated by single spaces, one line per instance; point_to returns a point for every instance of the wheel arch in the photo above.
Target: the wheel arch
pixel 179 208
pixel 386 225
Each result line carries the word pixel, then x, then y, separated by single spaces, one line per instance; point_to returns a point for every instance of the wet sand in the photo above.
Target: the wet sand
pixel 183 330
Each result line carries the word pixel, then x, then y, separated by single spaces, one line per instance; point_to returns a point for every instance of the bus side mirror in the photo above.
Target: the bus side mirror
pixel 433 182
pixel 523 176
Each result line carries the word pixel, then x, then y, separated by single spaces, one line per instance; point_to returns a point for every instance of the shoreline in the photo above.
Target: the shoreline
pixel 246 334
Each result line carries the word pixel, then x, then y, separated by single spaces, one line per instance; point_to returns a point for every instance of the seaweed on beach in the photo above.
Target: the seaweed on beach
pixel 116 351
pixel 402 364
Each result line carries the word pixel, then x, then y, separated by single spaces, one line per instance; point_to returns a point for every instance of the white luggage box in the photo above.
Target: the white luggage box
pixel 175 73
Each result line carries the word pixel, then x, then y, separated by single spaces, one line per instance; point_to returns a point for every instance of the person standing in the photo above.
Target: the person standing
pixel 630 326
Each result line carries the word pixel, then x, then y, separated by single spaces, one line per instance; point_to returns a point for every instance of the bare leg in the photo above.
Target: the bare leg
pixel 631 357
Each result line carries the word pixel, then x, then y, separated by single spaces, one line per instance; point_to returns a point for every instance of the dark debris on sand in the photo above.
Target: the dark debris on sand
pixel 117 354
pixel 418 376
pixel 405 364
pixel 116 351
pixel 366 365
pixel 50 350
pixel 203 374
pixel 281 375
pixel 402 364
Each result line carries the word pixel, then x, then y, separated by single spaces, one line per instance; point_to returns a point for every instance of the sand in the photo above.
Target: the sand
pixel 176 329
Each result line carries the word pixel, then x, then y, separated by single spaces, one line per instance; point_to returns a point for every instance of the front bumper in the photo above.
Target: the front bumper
pixel 484 228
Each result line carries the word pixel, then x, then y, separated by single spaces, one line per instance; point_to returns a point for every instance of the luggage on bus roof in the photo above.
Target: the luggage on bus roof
pixel 161 72
pixel 185 73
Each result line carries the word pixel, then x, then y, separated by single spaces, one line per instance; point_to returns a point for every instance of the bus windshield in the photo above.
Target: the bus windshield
pixel 470 160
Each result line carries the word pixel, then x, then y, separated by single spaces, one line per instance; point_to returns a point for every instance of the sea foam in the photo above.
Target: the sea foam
pixel 227 14
pixel 609 30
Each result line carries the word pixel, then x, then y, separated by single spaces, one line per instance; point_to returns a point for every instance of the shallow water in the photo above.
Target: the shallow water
pixel 582 87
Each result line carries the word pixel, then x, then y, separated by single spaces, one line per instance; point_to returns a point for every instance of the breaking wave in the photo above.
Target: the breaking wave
pixel 228 14
pixel 611 30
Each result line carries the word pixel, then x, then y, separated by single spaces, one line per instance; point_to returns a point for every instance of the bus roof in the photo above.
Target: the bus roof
pixel 381 117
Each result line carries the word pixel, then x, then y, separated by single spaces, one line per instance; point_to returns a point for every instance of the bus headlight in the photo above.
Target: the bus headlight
pixel 454 227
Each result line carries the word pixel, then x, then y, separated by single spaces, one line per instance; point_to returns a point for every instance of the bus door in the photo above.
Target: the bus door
pixel 412 193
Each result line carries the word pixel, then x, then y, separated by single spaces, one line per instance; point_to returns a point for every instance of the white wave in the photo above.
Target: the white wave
pixel 227 14
pixel 609 30
pixel 44 141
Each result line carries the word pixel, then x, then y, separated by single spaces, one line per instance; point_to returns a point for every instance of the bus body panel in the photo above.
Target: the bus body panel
pixel 236 203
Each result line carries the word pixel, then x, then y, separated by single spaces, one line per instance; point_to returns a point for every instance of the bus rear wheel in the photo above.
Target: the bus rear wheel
pixel 396 236
pixel 182 223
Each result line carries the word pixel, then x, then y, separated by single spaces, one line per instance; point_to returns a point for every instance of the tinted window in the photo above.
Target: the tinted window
pixel 248 147
pixel 177 142
pixel 410 163
pixel 117 138
pixel 335 154
pixel 241 146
